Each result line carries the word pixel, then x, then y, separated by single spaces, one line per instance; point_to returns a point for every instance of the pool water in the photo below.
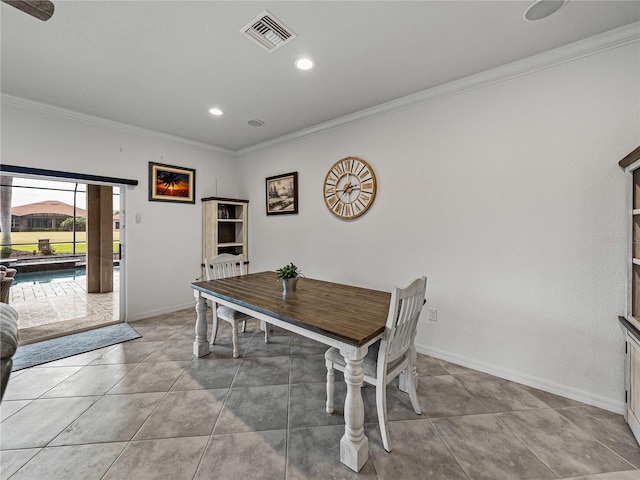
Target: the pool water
pixel 53 276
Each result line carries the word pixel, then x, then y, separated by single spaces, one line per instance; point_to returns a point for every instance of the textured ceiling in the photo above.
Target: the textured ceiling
pixel 161 65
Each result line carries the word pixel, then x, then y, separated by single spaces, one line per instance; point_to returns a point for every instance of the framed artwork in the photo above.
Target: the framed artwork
pixel 282 194
pixel 171 184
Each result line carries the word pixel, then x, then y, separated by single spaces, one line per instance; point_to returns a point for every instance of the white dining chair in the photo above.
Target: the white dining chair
pixel 390 356
pixel 223 266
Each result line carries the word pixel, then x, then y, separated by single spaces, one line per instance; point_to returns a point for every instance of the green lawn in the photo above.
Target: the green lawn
pixel 28 241
pixel 33 237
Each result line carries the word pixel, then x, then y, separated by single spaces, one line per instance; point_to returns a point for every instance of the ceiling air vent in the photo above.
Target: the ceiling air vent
pixel 268 32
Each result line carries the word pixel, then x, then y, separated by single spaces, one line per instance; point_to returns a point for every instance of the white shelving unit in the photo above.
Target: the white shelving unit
pixel 631 321
pixel 224 227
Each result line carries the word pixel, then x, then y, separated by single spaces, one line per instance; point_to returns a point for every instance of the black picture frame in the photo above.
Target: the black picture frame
pixel 168 183
pixel 281 194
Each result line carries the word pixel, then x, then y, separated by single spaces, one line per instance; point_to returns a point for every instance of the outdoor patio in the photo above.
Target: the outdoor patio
pixel 60 307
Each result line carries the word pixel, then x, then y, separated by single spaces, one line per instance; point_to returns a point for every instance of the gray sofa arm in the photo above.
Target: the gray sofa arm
pixel 8 343
pixel 6 279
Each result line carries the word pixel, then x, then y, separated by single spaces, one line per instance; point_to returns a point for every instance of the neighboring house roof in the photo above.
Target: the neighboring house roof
pixel 48 207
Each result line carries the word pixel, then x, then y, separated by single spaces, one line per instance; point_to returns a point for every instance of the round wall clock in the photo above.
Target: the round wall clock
pixel 349 188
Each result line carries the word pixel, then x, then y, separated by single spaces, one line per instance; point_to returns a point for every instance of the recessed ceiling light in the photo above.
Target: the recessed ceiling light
pixel 256 122
pixel 215 111
pixel 541 9
pixel 304 63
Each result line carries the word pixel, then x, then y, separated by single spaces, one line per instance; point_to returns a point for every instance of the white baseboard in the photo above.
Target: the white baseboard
pixel 605 403
pixel 153 313
pixel 599 401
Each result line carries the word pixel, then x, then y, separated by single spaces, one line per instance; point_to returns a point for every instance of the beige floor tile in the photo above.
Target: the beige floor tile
pixel 12 460
pixel 75 461
pixel 35 382
pixel 565 448
pixel 113 418
pixel 41 421
pixel 170 458
pixel 262 453
pixel 154 411
pixel 184 414
pixel 485 448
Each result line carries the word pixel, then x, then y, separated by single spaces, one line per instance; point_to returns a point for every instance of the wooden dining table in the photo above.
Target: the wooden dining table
pixel 343 316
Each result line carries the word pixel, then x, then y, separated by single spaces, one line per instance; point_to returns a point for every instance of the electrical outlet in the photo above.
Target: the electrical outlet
pixel 433 314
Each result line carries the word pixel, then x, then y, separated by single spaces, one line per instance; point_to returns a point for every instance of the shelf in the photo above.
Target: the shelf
pixel 224 227
pixel 636 261
pixel 632 324
pixel 636 211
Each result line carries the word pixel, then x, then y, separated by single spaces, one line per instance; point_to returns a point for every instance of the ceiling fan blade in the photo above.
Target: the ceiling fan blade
pixel 41 9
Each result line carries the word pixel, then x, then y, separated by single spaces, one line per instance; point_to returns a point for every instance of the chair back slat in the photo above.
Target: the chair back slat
pixel 404 312
pixel 223 266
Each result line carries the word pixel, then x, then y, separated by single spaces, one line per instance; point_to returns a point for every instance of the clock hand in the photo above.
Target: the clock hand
pixel 340 198
pixel 346 186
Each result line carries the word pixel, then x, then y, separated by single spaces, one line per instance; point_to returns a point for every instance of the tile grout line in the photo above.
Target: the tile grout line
pixel 453 455
pixel 115 460
pixel 513 434
pixel 286 435
pixel 128 445
pixel 594 438
pixel 131 440
pixel 201 464
pixel 224 403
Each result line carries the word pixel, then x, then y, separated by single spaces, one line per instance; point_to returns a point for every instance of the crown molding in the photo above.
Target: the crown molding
pixel 6 99
pixel 603 42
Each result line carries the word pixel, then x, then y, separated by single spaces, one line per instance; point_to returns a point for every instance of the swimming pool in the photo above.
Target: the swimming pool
pixel 54 276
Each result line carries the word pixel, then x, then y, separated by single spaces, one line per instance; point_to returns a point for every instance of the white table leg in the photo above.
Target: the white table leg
pixel 201 344
pixel 354 445
pixel 330 387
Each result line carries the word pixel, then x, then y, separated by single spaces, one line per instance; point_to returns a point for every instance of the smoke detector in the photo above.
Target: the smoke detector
pixel 542 9
pixel 268 32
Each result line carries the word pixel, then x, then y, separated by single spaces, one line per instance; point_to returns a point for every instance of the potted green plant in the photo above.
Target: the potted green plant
pixel 289 275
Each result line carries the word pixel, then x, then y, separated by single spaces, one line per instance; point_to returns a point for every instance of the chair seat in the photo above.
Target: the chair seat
pixel 369 363
pixel 231 315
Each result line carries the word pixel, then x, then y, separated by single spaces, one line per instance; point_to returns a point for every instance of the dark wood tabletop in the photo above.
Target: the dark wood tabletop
pixel 351 314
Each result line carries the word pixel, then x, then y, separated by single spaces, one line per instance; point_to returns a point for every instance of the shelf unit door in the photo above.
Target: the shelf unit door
pixel 634 274
pixel 633 386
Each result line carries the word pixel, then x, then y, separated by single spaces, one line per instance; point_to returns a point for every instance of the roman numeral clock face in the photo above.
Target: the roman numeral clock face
pixel 349 188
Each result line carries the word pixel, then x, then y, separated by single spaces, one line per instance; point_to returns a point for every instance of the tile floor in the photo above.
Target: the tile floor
pixel 61 307
pixel 147 409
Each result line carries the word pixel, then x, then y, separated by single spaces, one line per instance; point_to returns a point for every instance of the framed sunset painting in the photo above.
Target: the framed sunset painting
pixel 171 184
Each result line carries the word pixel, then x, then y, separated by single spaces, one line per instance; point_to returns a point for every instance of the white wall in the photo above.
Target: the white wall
pixel 508 197
pixel 163 251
